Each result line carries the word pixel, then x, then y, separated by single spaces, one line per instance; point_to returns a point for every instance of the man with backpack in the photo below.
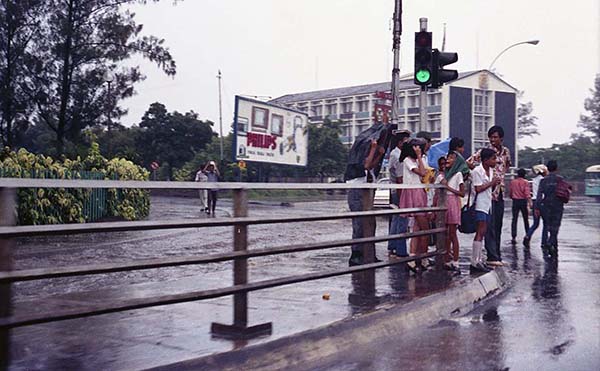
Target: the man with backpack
pixel 553 194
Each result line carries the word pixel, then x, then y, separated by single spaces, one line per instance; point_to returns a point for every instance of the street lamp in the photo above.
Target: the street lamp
pixel 531 42
pixel 109 77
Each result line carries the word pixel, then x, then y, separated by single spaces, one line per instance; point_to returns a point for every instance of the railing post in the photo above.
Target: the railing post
pixel 240 329
pixel 368 226
pixel 7 218
pixel 440 222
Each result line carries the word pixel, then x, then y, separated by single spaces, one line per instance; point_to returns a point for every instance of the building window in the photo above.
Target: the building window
pixel 362 106
pixel 435 99
pixel 483 102
pixel 401 101
pixel 317 110
pixel 435 123
pixel 413 101
pixel 331 109
pixel 347 107
pixel 481 126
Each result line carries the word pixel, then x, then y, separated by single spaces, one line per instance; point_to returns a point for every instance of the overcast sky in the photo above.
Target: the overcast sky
pixel 276 47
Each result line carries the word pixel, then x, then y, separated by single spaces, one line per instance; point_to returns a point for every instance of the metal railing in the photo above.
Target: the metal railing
pixel 240 254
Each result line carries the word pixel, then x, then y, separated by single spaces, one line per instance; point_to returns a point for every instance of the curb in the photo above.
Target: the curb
pixel 348 334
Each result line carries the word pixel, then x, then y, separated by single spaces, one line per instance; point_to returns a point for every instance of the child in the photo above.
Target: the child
pixel 483 182
pixel 456 189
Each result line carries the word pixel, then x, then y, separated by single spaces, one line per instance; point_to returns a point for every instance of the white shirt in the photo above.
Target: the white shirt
pixel 456 180
pixel 409 177
pixel 395 166
pixel 535 186
pixel 484 199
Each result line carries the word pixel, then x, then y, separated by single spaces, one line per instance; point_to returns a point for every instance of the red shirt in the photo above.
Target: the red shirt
pixel 520 189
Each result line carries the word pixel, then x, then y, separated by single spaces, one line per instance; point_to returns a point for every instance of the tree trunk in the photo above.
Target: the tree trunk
pixel 8 86
pixel 65 87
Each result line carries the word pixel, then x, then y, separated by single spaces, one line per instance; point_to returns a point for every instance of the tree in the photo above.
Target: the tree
pixel 172 139
pixel 79 42
pixel 326 154
pixel 591 123
pixel 19 25
pixel 527 126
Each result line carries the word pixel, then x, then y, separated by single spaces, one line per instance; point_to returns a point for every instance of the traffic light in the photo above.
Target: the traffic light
pixel 439 75
pixel 423 58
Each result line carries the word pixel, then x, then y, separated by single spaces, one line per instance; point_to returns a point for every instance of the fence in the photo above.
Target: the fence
pixel 239 254
pixel 94 202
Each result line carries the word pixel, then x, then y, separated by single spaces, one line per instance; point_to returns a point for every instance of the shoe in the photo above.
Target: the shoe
pixel 478 268
pixel 355 259
pixel 448 267
pixel 412 267
pixel 526 241
pixel 495 263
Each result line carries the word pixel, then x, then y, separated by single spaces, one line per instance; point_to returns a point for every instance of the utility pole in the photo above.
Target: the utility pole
pixel 423 92
pixel 396 70
pixel 220 117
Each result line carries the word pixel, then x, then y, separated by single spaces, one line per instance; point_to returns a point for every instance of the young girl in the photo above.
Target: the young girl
pixel 456 189
pixel 413 170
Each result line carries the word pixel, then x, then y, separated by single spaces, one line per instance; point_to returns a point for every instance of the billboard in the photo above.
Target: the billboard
pixel 265 132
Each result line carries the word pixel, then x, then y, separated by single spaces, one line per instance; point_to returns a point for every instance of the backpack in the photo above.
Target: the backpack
pixel 563 190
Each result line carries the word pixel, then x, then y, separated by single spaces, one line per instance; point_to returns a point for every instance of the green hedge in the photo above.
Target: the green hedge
pixel 58 205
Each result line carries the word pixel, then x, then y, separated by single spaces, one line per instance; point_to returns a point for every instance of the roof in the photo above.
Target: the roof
pixel 405 83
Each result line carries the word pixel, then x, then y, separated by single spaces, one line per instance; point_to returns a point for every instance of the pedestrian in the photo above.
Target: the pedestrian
pixel 484 180
pixel 364 163
pixel 398 223
pixel 540 172
pixel 414 170
pixel 456 189
pixel 550 207
pixel 503 163
pixel 212 173
pixel 520 194
pixel 202 193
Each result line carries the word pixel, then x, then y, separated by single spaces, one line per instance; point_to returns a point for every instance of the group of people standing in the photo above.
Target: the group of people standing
pixel 483 172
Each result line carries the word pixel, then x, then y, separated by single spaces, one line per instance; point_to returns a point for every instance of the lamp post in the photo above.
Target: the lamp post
pixel 531 42
pixel 109 77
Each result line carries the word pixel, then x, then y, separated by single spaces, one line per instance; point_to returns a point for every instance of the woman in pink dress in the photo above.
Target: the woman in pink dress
pixel 456 189
pixel 413 171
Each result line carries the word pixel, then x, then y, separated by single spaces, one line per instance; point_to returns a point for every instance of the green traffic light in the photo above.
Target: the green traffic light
pixel 423 76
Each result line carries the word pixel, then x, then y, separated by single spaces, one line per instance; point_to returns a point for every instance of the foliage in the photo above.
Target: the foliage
pixel 60 54
pixel 573 157
pixel 326 154
pixel 57 205
pixel 591 123
pixel 527 125
pixel 172 139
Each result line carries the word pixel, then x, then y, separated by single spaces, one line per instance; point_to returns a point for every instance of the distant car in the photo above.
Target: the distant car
pixel 382 198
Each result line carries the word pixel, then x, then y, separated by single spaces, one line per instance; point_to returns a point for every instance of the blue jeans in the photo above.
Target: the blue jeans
pixel 399 224
pixel 534 227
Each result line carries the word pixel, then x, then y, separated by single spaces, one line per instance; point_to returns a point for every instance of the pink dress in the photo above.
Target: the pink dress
pixel 412 198
pixel 453 213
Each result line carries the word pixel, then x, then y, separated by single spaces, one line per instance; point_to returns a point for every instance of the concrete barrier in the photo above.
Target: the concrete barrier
pixel 343 336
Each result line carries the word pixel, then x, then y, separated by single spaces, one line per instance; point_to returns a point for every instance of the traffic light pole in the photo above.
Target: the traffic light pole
pixel 423 92
pixel 396 70
pixel 423 109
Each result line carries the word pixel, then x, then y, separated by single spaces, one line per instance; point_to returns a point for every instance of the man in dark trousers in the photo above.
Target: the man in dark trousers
pixel 520 193
pixel 551 209
pixel 503 163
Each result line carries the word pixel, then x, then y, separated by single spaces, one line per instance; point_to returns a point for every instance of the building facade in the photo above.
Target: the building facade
pixel 466 108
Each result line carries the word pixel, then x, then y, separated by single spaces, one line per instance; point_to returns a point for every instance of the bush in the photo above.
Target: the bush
pixel 59 205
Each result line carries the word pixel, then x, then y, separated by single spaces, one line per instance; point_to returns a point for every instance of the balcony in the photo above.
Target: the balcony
pixel 362 115
pixel 345 116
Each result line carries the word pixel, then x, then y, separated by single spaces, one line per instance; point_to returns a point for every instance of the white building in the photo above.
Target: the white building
pixel 465 108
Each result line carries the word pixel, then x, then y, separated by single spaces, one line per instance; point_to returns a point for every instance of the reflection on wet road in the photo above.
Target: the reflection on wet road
pixel 548 320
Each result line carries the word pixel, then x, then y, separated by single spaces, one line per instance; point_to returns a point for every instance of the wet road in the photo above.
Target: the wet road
pixel 548 320
pixel 551 315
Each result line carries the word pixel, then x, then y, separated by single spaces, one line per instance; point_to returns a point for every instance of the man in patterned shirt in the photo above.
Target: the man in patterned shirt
pixel 494 230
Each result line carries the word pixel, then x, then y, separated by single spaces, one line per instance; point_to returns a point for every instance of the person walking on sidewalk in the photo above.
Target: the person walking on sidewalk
pixel 503 163
pixel 520 193
pixel 212 173
pixel 541 171
pixel 550 207
pixel 202 193
pixel 484 181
